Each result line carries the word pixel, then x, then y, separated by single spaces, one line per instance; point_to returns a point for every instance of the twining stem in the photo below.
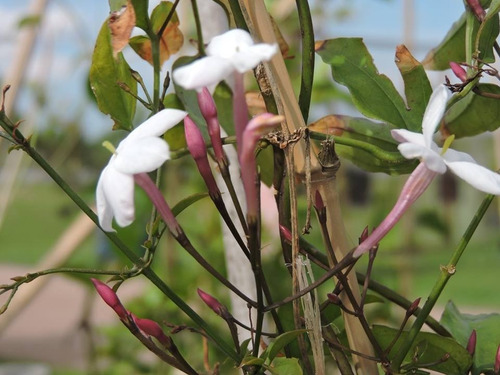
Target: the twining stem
pixel 23 143
pixel 145 182
pixel 356 305
pixel 199 33
pixel 178 363
pixel 320 259
pixel 255 259
pixel 446 273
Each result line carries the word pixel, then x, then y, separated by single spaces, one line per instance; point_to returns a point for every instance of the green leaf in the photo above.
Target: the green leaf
pixel 487 328
pixel 373 94
pixel 285 314
pixel 223 97
pixel 105 73
pixel 280 342
pixel 418 89
pixel 116 5
pixel 285 366
pixel 452 47
pixel 367 144
pixel 141 14
pixel 494 9
pixel 176 138
pixel 265 162
pixel 430 348
pixel 186 202
pixel 474 114
pixel 252 361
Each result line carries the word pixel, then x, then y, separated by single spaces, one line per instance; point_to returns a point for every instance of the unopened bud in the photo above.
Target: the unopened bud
pixel 257 127
pixel 194 139
pixel 471 344
pixel 109 296
pixel 207 104
pixel 198 150
pixel 214 304
pixel 477 9
pixel 135 75
pixel 333 298
pixel 151 328
pixel 364 235
pixel 209 112
pixel 124 86
pixel 458 71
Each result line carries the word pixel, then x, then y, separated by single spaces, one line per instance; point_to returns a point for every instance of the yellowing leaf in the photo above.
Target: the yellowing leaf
pixel 121 23
pixel 171 39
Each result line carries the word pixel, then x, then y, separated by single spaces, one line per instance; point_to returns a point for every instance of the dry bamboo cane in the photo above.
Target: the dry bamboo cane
pixel 260 26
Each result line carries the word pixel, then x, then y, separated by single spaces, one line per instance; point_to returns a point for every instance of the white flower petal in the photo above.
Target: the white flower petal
pixel 157 124
pixel 454 155
pixel 434 112
pixel 432 160
pixel 403 135
pixel 118 191
pixel 104 211
pixel 252 56
pixel 229 43
pixel 143 155
pixel 207 71
pixel 478 176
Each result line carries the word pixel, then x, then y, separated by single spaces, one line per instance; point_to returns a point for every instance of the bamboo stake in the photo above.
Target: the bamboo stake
pixel 260 26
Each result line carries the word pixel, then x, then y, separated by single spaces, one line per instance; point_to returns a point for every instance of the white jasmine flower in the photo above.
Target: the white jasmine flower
pixel 433 160
pixel 233 51
pixel 142 151
pixel 421 146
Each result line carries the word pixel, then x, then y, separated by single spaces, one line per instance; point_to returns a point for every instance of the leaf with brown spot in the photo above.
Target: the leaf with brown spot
pixel 121 23
pixel 418 89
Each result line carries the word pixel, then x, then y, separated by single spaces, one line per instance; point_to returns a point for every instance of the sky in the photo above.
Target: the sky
pixel 61 58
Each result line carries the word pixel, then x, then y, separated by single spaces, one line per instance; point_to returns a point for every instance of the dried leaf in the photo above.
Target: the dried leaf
pixel 121 23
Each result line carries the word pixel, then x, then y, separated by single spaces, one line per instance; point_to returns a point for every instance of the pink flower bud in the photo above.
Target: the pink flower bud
pixel 151 328
pixel 333 298
pixel 194 139
pixel 458 71
pixel 471 344
pixel 198 150
pixel 364 235
pixel 213 303
pixel 209 112
pixel 109 296
pixel 477 9
pixel 257 127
